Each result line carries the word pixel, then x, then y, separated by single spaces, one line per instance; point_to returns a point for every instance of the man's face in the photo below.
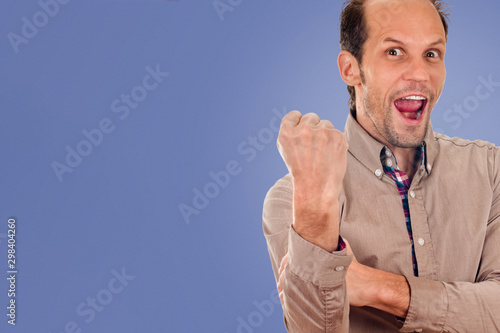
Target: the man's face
pixel 402 70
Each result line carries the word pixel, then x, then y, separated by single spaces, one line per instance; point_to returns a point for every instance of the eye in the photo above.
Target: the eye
pixel 394 52
pixel 432 54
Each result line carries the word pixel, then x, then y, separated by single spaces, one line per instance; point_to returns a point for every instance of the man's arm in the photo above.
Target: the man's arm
pixel 378 289
pixel 314 290
pixel 441 306
pixel 301 219
pixel 434 306
pixel 457 306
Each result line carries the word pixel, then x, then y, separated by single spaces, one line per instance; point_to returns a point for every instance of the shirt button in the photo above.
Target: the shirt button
pixel 378 172
pixel 429 166
pixel 418 330
pixel 339 268
pixel 412 194
pixel 421 241
pixel 388 163
pixel 388 152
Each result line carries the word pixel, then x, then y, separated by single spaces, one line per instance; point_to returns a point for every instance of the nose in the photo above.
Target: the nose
pixel 417 69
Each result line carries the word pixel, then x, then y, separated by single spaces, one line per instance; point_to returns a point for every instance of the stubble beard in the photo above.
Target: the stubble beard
pixel 384 123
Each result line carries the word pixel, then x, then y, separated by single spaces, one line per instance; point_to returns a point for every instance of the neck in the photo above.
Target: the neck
pixel 408 159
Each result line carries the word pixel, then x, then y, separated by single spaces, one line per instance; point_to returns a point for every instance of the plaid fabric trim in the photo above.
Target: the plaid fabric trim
pixel 341 244
pixel 403 183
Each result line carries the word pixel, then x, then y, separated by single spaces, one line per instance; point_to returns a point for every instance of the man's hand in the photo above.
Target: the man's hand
pixel 316 156
pixel 282 277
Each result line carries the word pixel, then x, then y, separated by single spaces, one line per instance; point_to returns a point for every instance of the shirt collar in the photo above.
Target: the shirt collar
pixel 368 151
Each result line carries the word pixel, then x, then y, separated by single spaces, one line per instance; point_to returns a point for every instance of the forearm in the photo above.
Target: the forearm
pixel 316 217
pixel 382 290
pixel 394 294
pixel 323 215
pixel 434 306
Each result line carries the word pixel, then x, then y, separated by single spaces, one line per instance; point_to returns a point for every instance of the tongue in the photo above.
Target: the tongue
pixel 408 105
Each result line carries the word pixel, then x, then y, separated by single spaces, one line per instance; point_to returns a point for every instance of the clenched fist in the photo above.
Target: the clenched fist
pixel 315 153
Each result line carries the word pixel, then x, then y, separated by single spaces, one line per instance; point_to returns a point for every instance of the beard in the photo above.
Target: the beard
pixel 382 116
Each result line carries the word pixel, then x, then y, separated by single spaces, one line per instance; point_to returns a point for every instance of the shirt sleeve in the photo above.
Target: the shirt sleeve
pixel 463 306
pixel 315 295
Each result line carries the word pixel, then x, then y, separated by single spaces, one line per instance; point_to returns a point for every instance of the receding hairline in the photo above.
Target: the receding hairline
pixel 441 14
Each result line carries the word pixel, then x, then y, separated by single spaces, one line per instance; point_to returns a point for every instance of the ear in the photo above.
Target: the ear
pixel 349 68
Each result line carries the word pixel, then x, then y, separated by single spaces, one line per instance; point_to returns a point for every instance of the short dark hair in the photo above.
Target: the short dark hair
pixel 353 32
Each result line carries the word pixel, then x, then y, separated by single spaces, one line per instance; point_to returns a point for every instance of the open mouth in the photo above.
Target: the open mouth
pixel 411 107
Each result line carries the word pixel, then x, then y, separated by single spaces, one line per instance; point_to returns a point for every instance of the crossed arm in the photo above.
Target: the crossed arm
pixel 368 286
pixel 317 295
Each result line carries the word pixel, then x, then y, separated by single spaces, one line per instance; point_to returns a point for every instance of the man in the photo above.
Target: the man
pixel 389 226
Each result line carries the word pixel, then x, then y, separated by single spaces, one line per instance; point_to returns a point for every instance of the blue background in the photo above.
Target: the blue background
pixel 119 208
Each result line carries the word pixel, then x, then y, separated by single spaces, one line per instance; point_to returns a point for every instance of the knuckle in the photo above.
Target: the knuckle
pixel 305 131
pixel 284 125
pixel 291 114
pixel 311 114
pixel 326 123
pixel 284 133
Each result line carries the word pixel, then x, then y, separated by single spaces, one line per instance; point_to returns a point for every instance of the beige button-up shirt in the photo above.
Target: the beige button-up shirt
pixel 455 207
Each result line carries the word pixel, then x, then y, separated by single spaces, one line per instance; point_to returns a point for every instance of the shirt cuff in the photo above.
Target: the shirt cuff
pixel 428 306
pixel 312 263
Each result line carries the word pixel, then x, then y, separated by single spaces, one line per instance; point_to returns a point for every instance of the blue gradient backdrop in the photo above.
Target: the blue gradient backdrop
pixel 117 212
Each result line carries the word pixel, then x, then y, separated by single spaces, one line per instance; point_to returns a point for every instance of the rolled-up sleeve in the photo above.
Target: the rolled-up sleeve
pixel 315 295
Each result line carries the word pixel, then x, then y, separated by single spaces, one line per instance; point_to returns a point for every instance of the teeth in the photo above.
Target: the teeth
pixel 417 98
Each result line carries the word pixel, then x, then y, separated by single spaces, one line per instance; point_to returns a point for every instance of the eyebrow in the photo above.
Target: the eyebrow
pixel 393 40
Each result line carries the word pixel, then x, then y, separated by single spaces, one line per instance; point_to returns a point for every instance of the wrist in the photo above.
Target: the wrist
pixel 387 292
pixel 318 223
pixel 319 193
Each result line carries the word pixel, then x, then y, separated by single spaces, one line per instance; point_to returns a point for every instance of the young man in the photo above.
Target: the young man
pixel 387 226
